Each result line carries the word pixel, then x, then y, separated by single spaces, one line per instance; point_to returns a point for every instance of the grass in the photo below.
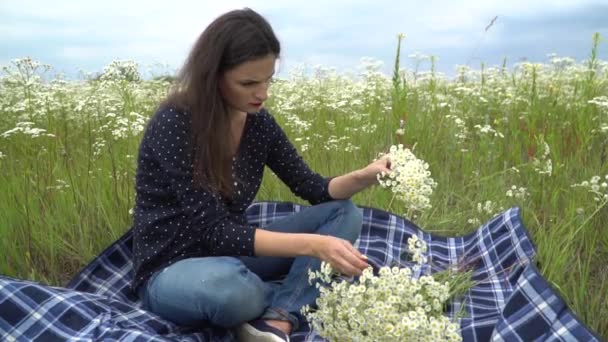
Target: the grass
pixel 67 195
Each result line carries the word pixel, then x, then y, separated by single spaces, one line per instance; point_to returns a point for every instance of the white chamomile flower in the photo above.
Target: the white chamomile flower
pixel 409 180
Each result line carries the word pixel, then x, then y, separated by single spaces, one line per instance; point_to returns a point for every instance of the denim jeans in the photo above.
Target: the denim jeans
pixel 228 291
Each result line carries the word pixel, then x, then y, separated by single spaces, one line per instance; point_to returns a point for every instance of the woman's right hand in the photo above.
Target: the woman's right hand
pixel 340 254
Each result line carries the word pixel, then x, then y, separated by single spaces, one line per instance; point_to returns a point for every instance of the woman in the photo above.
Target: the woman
pixel 200 166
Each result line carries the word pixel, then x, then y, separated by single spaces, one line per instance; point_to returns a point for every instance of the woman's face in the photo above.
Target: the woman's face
pixel 245 87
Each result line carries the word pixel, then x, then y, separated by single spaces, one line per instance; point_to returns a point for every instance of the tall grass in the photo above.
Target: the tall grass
pixel 66 190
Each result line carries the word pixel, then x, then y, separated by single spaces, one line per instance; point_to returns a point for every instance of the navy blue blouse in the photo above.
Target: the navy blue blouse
pixel 173 220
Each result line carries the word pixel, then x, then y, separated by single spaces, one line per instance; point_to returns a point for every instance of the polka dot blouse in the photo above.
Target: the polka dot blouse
pixel 173 220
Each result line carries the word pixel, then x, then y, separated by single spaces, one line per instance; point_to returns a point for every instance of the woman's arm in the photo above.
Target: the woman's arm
pixel 339 253
pixel 347 185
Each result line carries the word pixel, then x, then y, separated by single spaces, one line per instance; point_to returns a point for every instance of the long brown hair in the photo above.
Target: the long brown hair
pixel 235 37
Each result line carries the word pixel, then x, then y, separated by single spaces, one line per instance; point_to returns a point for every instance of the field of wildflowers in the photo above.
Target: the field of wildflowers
pixel 534 136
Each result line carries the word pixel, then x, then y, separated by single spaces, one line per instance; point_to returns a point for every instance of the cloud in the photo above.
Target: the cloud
pixel 77 33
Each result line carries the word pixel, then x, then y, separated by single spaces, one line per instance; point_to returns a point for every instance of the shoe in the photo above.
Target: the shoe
pixel 259 331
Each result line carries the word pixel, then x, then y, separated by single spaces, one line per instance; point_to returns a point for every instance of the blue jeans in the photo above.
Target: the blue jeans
pixel 228 291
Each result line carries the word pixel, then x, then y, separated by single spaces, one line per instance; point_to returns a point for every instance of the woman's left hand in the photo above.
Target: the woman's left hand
pixel 369 173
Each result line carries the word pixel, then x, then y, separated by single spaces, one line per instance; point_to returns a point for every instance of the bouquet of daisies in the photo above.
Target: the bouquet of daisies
pixel 409 180
pixel 390 306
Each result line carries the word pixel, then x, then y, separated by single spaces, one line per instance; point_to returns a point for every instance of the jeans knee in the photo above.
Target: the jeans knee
pixel 352 220
pixel 351 210
pixel 239 307
pixel 223 292
pixel 237 299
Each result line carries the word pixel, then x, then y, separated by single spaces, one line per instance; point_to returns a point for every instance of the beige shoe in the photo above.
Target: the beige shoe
pixel 259 331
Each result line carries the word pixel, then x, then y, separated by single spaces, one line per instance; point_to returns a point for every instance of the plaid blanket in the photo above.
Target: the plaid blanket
pixel 511 301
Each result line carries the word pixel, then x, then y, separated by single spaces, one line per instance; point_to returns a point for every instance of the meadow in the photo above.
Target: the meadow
pixel 532 135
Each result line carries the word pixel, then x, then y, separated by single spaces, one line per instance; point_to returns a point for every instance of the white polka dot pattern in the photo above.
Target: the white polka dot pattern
pixel 174 220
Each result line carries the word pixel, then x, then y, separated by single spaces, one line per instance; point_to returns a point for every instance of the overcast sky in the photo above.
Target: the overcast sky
pixel 74 35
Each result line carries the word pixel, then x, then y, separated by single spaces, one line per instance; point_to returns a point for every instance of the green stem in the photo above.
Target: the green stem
pixel 586 221
pixel 391 202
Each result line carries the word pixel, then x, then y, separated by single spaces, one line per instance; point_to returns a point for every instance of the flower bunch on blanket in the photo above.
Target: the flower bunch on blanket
pixel 409 180
pixel 390 306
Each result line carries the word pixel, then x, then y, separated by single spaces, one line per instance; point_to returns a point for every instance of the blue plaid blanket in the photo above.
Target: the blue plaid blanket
pixel 510 302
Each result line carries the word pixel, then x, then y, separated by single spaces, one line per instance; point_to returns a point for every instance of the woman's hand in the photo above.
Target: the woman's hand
pixel 370 172
pixel 347 185
pixel 340 254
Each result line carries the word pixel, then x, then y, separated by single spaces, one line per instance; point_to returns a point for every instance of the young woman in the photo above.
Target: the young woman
pixel 200 166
